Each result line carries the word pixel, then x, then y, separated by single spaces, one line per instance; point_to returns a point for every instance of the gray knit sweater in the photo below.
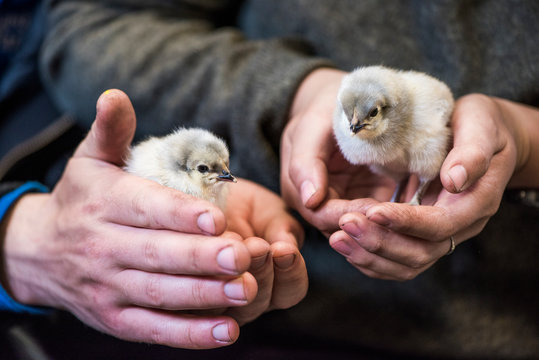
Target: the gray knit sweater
pixel 234 66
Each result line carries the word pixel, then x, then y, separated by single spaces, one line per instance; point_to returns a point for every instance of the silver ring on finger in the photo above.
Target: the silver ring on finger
pixel 452 246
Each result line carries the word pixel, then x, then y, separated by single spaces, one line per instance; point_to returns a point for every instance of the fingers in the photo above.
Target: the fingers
pixel 290 276
pixel 281 276
pixel 146 204
pixel 476 140
pixel 436 223
pixel 174 329
pixel 366 237
pixel 453 214
pixel 169 252
pixel 374 265
pixel 304 168
pixel 112 131
pixel 283 227
pixel 262 269
pixel 168 292
pixel 326 218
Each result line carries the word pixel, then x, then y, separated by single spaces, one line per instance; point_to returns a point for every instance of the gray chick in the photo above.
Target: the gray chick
pixel 193 161
pixel 396 122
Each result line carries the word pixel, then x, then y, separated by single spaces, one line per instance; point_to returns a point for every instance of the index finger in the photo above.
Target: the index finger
pixel 139 202
pixel 326 217
pixel 436 223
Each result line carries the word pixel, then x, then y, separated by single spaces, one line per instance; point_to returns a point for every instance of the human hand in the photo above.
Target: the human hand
pixel 399 241
pixel 123 253
pixel 273 238
pixel 315 178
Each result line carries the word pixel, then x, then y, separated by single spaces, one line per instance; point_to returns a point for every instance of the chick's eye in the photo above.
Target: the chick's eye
pixel 202 168
pixel 373 112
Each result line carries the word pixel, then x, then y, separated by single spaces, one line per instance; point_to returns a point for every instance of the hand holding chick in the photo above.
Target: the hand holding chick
pixel 396 122
pixel 193 161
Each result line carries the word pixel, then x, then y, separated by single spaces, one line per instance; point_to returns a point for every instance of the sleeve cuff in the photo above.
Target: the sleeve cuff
pixel 6 302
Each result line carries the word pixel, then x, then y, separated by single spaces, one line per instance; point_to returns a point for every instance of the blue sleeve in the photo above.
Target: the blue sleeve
pixel 6 302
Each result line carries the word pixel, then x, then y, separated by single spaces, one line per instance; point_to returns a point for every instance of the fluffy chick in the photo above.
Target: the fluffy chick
pixel 193 161
pixel 396 122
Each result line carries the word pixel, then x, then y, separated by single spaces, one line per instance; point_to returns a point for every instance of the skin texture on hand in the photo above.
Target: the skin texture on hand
pixel 349 203
pixel 276 261
pixel 132 258
pixel 315 179
pixel 489 146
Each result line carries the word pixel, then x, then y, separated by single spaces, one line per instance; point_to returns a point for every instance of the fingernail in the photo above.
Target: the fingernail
pixel 307 191
pixel 227 259
pixel 342 247
pixel 220 333
pixel 284 262
pixel 206 224
pixel 259 261
pixel 458 176
pixel 234 289
pixel 351 229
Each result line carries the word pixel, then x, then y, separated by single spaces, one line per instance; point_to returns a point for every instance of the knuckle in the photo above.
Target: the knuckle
pixel 150 253
pixel 295 169
pixel 154 291
pixel 136 204
pixel 190 338
pixel 112 321
pixel 363 261
pixel 195 259
pixel 158 333
pixel 408 275
pixel 419 261
pixel 492 207
pixel 93 207
pixel 198 293
pixel 375 246
pixel 93 248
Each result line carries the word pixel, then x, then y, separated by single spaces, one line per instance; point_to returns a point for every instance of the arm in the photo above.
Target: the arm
pixel 495 143
pixel 524 121
pixel 138 253
pixel 179 67
pixel 102 245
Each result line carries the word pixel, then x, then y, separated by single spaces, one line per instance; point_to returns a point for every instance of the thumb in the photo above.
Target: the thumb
pixel 305 157
pixel 462 167
pixel 309 176
pixel 475 142
pixel 112 131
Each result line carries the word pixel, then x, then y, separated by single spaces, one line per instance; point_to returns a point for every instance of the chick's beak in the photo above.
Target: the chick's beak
pixel 356 125
pixel 226 176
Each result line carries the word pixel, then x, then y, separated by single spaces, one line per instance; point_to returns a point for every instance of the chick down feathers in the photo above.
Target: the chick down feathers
pixel 396 122
pixel 193 161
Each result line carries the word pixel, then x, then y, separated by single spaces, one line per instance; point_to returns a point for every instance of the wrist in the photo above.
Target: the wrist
pixel 523 124
pixel 21 248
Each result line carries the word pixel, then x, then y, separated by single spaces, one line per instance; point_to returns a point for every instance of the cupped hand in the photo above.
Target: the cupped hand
pixel 399 241
pixel 273 238
pixel 315 178
pixel 125 255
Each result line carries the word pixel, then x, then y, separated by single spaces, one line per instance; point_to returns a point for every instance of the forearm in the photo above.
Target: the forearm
pixel 169 70
pixel 523 122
